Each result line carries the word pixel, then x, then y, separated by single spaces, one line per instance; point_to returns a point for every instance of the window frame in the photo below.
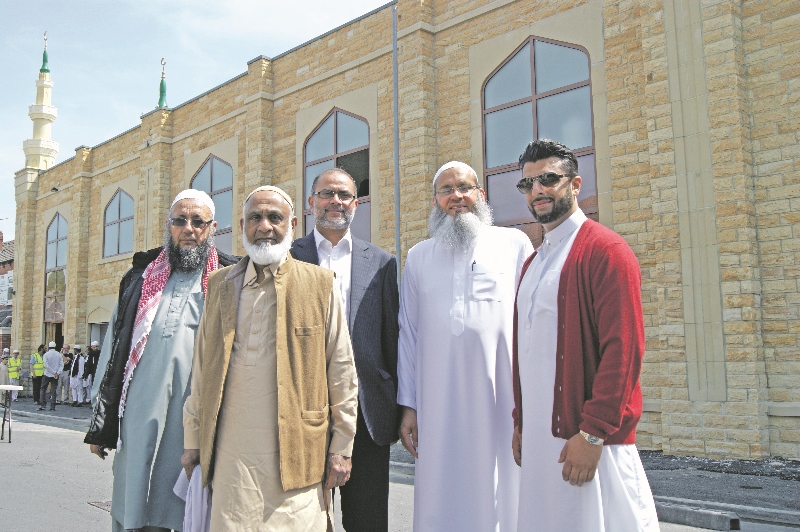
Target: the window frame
pixel 533 98
pixel 212 192
pixel 118 222
pixel 335 156
pixel 56 219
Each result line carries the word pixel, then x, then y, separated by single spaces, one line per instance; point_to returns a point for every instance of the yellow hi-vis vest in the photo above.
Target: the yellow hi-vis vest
pixel 13 367
pixel 38 364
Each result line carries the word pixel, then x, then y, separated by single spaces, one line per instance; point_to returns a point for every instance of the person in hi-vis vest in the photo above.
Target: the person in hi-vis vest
pixel 14 367
pixel 37 370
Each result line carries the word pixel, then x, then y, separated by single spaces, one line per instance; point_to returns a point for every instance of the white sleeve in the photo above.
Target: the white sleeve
pixel 407 342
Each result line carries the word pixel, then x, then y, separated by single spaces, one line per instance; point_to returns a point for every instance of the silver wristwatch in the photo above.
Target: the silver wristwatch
pixel 594 440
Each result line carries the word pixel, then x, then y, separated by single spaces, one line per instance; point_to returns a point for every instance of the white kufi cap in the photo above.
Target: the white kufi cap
pixel 454 164
pixel 198 195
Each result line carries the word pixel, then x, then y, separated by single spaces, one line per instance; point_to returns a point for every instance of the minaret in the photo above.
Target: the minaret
pixel 41 151
pixel 162 91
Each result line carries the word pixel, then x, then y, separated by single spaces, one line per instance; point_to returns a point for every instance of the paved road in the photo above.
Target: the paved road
pixel 50 481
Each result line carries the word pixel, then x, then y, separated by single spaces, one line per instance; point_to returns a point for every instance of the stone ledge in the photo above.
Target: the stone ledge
pixel 784 409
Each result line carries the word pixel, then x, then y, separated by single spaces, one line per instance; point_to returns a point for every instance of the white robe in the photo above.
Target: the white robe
pixel 454 368
pixel 619 496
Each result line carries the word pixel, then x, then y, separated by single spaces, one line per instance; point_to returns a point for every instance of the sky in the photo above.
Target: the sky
pixel 105 61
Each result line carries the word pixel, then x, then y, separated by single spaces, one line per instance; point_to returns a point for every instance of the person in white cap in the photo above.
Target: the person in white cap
pixel 53 366
pixel 79 371
pixel 94 359
pixel 145 363
pixel 272 413
pixel 4 374
pixel 454 360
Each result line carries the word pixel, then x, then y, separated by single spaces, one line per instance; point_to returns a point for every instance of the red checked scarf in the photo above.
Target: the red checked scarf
pixel 155 279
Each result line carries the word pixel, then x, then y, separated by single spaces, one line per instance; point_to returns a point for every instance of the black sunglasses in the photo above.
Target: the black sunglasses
pixel 547 179
pixel 197 223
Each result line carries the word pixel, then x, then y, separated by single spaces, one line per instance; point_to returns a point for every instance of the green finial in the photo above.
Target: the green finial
pixel 45 66
pixel 162 93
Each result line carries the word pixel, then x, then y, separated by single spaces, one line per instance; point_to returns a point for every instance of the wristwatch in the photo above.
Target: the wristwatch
pixel 594 440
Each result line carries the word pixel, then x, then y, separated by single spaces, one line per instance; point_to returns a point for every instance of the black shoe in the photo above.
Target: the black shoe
pixel 40 408
pixel 51 408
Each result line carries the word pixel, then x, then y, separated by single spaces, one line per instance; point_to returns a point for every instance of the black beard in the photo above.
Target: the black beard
pixel 187 260
pixel 560 208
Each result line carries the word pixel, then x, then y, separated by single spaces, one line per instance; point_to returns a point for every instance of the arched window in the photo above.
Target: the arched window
pixel 118 233
pixel 340 141
pixel 215 178
pixel 541 91
pixel 55 270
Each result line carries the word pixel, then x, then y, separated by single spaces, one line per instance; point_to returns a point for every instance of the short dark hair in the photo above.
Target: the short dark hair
pixel 544 149
pixel 41 346
pixel 330 171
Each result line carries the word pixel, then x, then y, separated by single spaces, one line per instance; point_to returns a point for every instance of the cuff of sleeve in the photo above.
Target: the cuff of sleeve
pixel 406 400
pixel 191 438
pixel 341 445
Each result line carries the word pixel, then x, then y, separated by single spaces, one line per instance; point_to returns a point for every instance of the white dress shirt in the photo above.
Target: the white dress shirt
pixel 338 258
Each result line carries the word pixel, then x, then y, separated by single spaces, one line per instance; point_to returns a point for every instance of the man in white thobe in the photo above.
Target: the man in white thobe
pixel 580 342
pixel 454 365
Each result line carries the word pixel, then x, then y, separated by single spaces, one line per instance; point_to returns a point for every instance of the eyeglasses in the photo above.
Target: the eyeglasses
pixel 547 179
pixel 463 190
pixel 327 194
pixel 197 223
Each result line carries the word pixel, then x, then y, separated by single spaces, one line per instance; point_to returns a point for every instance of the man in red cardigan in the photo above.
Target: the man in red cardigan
pixel 578 348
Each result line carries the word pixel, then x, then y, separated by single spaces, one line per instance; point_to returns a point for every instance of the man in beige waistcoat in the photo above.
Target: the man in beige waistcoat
pixel 272 412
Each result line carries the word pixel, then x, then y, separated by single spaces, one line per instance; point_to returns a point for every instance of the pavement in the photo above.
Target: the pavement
pixel 692 494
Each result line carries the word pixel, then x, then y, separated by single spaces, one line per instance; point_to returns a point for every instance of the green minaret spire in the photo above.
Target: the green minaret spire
pixel 162 93
pixel 45 66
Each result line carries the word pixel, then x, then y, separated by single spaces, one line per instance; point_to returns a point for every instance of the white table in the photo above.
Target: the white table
pixel 7 409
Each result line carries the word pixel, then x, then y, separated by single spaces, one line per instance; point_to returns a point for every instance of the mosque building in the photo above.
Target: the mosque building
pixel 684 116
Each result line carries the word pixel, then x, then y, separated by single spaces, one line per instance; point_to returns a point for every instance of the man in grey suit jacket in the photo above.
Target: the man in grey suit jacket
pixel 367 278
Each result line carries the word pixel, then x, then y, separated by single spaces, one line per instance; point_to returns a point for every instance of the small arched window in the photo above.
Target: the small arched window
pixel 56 256
pixel 118 233
pixel 215 178
pixel 340 141
pixel 542 90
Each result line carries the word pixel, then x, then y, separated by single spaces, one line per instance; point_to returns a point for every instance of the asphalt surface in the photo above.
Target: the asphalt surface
pixel 48 462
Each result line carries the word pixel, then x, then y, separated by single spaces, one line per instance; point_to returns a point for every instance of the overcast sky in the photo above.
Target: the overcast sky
pixel 105 61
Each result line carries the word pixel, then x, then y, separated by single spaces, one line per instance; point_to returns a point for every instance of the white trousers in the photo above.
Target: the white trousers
pixel 14 393
pixel 77 393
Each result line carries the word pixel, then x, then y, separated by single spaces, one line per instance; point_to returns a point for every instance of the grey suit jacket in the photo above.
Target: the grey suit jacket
pixel 374 307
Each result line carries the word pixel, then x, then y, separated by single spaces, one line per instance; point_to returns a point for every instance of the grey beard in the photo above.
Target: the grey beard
pixel 187 260
pixel 342 223
pixel 461 230
pixel 265 254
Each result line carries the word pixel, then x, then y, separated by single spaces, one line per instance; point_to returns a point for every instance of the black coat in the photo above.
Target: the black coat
pixel 104 426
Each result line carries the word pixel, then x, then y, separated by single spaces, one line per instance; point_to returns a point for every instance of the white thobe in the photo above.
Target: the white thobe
pixel 619 496
pixel 454 368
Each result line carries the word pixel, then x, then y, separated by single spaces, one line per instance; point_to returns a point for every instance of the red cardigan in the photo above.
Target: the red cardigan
pixel 600 342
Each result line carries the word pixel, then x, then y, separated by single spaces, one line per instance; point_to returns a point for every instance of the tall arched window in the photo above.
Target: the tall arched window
pixel 340 141
pixel 118 233
pixel 55 270
pixel 215 178
pixel 541 91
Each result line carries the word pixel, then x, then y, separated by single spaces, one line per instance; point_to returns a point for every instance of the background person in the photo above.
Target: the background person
pixel 37 370
pixel 53 366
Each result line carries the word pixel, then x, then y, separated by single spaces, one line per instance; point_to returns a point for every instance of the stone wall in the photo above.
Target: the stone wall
pixel 696 111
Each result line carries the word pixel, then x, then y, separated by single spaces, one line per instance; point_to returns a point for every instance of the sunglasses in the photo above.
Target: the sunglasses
pixel 547 179
pixel 197 223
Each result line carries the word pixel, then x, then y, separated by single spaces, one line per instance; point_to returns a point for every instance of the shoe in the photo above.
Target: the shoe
pixel 40 408
pixel 58 402
pixel 16 400
pixel 36 402
pixel 51 408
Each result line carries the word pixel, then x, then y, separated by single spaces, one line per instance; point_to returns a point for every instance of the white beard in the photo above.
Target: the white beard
pixel 266 253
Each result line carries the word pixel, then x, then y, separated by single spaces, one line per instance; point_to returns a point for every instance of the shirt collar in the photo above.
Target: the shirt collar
pixel 346 243
pixel 567 227
pixel 250 274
